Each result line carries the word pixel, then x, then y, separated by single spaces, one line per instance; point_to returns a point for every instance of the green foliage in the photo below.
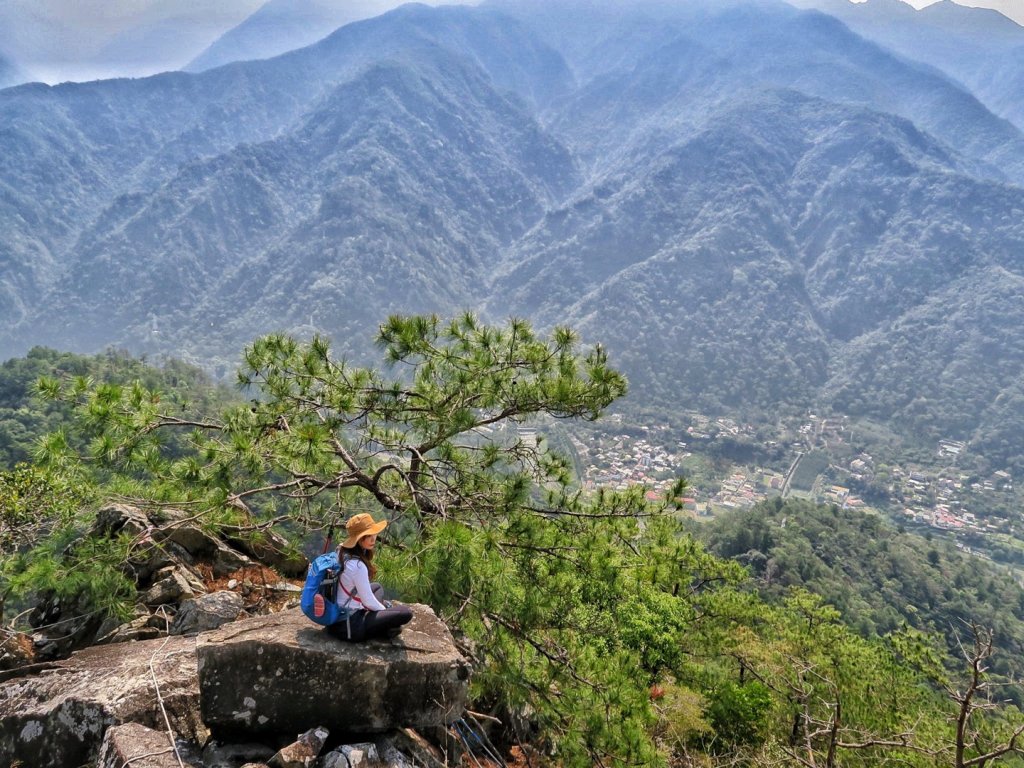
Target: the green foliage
pixel 681 717
pixel 739 713
pixel 877 577
pixel 494 535
pixel 576 607
pixel 54 556
pixel 33 503
pixel 85 571
pixel 25 418
pixel 574 614
pixel 36 509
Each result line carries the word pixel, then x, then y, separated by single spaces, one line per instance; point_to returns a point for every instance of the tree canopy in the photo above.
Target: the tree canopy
pixel 600 630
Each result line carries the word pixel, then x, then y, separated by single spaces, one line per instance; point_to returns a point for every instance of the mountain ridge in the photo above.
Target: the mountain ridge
pixel 735 208
pixel 280 26
pixel 979 47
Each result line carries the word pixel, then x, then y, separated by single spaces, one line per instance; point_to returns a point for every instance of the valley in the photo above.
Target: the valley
pixel 732 465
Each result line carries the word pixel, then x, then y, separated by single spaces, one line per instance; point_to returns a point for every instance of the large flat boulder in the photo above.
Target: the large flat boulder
pixel 276 674
pixel 283 674
pixel 58 716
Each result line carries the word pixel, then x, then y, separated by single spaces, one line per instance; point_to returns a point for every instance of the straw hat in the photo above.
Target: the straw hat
pixel 361 525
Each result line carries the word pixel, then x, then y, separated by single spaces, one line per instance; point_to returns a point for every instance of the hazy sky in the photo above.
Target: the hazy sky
pixel 1014 9
pixel 59 40
pixel 63 39
pixel 79 39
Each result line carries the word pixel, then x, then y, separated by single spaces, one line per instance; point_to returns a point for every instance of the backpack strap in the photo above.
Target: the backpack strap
pixel 348 594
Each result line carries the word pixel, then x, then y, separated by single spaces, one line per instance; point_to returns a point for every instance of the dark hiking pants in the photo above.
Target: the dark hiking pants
pixel 364 625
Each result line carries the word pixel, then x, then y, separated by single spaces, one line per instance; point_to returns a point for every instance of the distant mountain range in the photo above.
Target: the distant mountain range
pixel 284 25
pixel 751 205
pixel 980 48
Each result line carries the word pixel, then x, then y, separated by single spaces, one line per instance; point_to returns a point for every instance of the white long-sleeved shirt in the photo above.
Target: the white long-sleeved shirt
pixel 356 580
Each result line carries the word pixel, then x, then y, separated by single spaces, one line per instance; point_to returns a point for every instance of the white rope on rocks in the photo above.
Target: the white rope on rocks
pixel 131 760
pixel 160 700
pixel 476 737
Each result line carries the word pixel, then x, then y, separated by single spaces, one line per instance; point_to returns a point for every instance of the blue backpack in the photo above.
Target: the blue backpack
pixel 318 595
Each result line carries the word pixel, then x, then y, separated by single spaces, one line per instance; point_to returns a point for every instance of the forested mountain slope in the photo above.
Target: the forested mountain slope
pixel 25 417
pixel 750 205
pixel 879 578
pixel 84 157
pixel 980 48
pixel 299 207
pixel 659 70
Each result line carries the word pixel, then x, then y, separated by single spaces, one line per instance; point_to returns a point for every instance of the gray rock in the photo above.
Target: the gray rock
pixel 58 717
pixel 193 539
pixel 141 747
pixel 303 753
pixel 407 745
pixel 172 588
pixel 227 560
pixel 149 560
pixel 111 623
pixel 138 629
pixel 333 760
pixel 207 612
pixel 197 543
pixel 155 551
pixel 361 755
pixel 280 673
pixel 63 626
pixel 217 755
pixel 284 586
pixel 116 519
pixel 270 548
pixel 392 758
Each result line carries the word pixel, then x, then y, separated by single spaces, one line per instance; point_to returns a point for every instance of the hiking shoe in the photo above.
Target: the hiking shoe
pixel 394 632
pixel 319 606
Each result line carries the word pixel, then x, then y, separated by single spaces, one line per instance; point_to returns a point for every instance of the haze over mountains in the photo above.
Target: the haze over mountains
pixel 981 48
pixel 284 25
pixel 751 205
pixel 10 73
pixel 60 40
pixel 80 40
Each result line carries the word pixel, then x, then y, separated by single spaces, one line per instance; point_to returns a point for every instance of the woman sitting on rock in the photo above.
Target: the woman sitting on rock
pixel 369 615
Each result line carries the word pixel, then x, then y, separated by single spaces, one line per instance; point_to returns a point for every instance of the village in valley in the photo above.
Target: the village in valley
pixel 731 465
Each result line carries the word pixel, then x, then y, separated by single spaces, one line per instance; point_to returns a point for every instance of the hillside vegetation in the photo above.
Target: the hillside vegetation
pixel 25 417
pixel 878 577
pixel 599 629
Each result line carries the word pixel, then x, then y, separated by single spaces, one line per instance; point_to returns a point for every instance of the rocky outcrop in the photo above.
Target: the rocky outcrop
pixel 269 549
pixel 281 673
pixel 262 678
pixel 175 562
pixel 211 649
pixel 58 717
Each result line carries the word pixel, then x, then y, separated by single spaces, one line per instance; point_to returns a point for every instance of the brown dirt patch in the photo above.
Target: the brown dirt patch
pixel 16 650
pixel 259 586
